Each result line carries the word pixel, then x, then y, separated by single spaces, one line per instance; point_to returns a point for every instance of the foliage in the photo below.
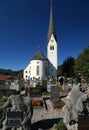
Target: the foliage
pixel 59 70
pixel 68 67
pixel 38 86
pixel 82 63
pixel 18 74
pixel 60 125
pixel 53 81
pixel 2 101
pixel 58 102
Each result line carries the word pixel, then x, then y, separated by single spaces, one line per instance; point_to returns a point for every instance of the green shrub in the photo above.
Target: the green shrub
pixel 2 101
pixel 60 125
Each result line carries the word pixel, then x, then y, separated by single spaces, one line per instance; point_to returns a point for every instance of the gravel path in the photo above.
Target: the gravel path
pixel 45 119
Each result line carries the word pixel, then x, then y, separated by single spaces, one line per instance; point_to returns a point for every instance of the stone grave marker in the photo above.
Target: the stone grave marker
pixel 10 92
pixel 83 122
pixel 55 97
pixel 55 92
pixel 1 93
pixel 44 84
pixel 35 92
pixel 14 119
pixel 7 92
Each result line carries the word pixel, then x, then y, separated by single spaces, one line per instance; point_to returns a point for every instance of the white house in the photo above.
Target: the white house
pixel 41 67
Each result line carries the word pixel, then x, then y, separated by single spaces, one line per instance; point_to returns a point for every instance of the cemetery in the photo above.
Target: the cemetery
pixel 66 108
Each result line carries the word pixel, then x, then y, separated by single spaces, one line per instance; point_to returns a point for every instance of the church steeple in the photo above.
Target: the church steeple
pixel 52 49
pixel 51 28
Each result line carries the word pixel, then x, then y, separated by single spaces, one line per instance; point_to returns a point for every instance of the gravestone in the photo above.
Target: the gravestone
pixel 14 119
pixel 55 92
pixel 55 97
pixel 1 93
pixel 10 92
pixel 35 92
pixel 83 122
pixel 7 92
pixel 44 84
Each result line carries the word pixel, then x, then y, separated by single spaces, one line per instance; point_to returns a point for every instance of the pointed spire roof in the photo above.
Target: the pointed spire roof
pixel 51 29
pixel 39 56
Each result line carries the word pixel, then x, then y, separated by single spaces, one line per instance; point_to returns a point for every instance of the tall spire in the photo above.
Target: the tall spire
pixel 51 28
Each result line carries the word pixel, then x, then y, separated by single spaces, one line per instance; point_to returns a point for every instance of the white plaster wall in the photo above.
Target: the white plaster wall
pixel 34 64
pixel 26 72
pixel 52 55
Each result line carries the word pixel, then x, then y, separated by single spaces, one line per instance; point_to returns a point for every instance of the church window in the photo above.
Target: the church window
pixel 37 70
pixel 51 47
pixel 37 62
pixel 25 71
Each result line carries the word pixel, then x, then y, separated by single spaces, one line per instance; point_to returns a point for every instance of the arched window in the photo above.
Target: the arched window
pixel 51 47
pixel 37 70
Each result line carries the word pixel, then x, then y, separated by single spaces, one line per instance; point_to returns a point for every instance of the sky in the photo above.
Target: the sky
pixel 24 28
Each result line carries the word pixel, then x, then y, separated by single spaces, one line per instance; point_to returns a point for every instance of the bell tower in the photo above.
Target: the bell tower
pixel 52 50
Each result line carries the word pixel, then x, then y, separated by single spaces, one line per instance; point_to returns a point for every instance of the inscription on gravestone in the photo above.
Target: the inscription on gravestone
pixel 14 119
pixel 83 122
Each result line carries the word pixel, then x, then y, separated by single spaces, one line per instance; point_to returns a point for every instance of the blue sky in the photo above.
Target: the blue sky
pixel 24 27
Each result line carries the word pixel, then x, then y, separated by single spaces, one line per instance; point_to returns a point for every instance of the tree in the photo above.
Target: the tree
pixel 59 70
pixel 82 63
pixel 68 67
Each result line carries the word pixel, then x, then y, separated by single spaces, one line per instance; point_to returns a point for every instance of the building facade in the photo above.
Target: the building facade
pixel 41 67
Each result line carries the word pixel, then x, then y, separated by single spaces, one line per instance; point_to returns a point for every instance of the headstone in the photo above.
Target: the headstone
pixel 55 97
pixel 14 119
pixel 83 122
pixel 10 92
pixel 44 84
pixel 35 92
pixel 55 92
pixel 1 93
pixel 7 92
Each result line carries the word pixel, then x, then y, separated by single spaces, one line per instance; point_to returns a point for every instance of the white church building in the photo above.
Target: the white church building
pixel 41 67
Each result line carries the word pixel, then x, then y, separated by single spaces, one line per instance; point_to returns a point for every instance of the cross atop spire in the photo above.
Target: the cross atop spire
pixel 51 29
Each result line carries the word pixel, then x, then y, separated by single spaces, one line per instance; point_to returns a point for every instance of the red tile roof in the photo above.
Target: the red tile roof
pixel 2 78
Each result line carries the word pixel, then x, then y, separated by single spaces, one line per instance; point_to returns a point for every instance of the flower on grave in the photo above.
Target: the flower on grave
pixel 37 102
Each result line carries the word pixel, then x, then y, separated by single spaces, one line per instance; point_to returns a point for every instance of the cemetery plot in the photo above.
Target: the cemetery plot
pixel 83 122
pixel 57 103
pixel 14 119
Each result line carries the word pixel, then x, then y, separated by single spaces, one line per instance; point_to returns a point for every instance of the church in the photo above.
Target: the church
pixel 41 67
